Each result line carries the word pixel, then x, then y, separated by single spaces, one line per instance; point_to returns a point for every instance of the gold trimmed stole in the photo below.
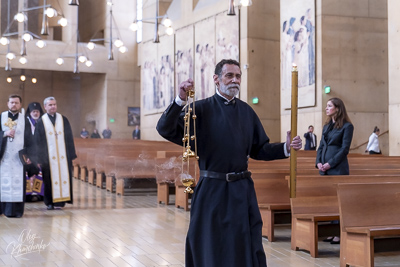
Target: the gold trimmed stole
pixel 59 170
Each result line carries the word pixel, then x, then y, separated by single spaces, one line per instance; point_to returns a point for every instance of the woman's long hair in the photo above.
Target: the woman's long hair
pixel 341 116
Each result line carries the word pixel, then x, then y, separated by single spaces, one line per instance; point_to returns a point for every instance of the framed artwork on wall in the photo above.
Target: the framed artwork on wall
pixel 298 47
pixel 133 116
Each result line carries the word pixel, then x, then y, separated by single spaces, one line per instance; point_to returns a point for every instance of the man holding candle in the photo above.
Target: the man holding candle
pixel 225 225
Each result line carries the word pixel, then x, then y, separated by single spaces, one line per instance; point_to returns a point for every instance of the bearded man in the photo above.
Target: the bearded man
pixel 225 223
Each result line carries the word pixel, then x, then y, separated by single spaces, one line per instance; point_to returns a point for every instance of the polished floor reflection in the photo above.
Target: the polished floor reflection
pixel 102 229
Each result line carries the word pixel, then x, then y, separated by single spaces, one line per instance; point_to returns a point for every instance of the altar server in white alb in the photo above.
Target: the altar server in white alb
pixel 55 152
pixel 16 137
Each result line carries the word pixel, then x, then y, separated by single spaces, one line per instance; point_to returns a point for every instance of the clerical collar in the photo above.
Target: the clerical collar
pixel 13 116
pixel 227 102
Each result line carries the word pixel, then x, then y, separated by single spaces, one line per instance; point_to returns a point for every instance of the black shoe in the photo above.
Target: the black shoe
pixel 335 242
pixel 329 239
pixel 50 207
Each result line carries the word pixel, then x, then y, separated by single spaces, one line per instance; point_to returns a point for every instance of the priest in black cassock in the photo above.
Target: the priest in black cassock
pixel 225 223
pixel 15 131
pixel 55 152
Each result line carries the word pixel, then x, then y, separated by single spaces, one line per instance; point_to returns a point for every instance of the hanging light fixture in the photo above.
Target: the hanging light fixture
pixel 60 61
pixel 123 49
pixel 45 20
pixel 169 31
pixel 27 37
pixel 63 22
pixel 89 63
pixel 20 17
pixel 4 41
pixel 51 12
pixel 10 55
pixel 91 45
pixel 165 21
pixel 22 77
pixel 134 26
pixel 40 43
pixel 73 2
pixel 231 8
pixel 78 57
pixel 246 2
pixel 23 60
pixel 117 42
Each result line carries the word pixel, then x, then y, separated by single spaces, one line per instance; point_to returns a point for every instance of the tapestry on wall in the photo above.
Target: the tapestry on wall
pixel 149 78
pixel 298 47
pixel 157 75
pixel 165 71
pixel 183 55
pixel 204 58
pixel 227 37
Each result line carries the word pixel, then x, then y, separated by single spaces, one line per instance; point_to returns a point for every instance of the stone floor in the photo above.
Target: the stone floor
pixel 102 229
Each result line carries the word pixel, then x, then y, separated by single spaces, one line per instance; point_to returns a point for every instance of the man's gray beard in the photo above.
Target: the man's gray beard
pixel 230 90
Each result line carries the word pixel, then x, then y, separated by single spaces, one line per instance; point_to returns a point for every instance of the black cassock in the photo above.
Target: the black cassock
pixel 225 224
pixel 43 157
pixel 16 209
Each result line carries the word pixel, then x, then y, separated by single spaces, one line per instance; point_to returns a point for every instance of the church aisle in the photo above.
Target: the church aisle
pixel 102 229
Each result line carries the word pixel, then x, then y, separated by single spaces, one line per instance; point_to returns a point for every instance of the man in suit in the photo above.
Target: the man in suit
pixel 136 133
pixel 311 139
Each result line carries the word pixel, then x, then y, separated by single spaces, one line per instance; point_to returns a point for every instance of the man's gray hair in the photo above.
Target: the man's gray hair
pixel 47 99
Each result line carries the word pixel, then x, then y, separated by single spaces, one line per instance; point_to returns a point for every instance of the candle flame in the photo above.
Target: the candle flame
pixel 294 67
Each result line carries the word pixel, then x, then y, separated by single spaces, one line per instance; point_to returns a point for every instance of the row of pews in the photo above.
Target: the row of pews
pixel 133 166
pixel 365 202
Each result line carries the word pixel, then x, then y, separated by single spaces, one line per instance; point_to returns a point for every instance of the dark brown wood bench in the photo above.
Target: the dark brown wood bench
pixel 367 211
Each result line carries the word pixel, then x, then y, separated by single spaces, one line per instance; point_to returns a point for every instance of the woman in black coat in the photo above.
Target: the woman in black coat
pixel 336 139
pixel 335 145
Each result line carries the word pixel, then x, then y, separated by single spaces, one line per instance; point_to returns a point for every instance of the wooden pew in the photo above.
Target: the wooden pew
pixel 168 166
pixel 316 185
pixel 367 211
pixel 100 170
pixel 307 212
pixel 129 170
pixel 311 193
pixel 272 196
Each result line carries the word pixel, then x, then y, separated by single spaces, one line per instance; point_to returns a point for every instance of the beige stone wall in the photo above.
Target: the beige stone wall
pixel 394 77
pixel 260 50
